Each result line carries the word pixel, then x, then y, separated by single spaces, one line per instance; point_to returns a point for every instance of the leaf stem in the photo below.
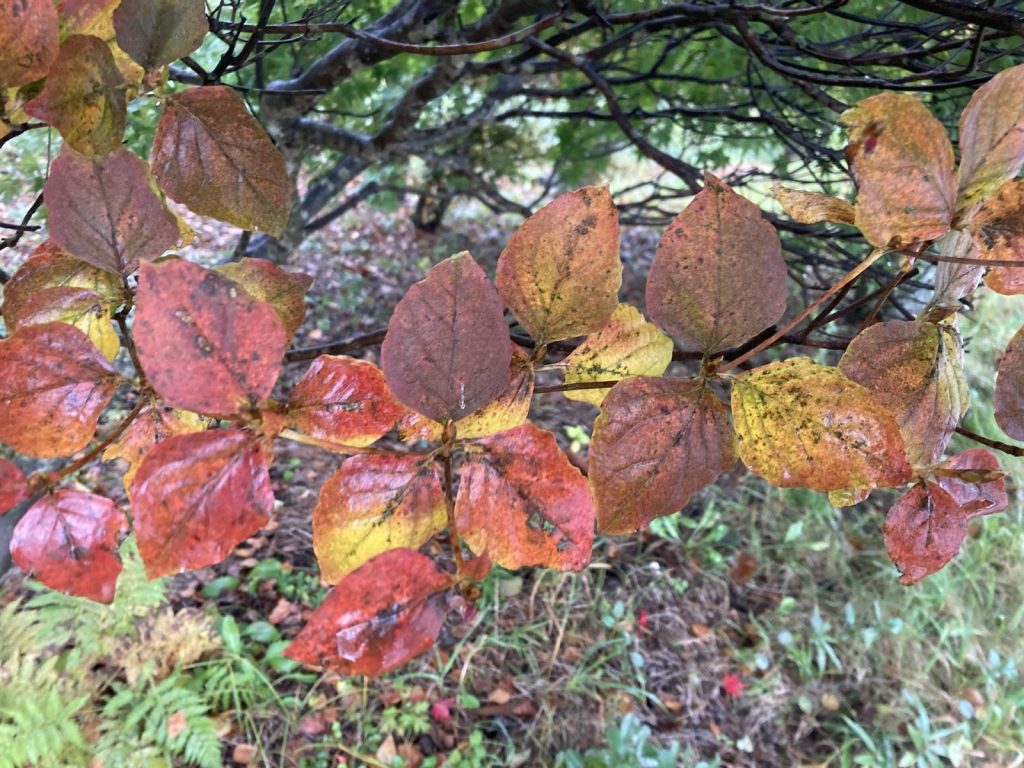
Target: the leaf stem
pixel 1007 448
pixel 449 497
pixel 299 437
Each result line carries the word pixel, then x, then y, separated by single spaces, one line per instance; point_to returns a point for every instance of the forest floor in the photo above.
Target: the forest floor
pixel 757 627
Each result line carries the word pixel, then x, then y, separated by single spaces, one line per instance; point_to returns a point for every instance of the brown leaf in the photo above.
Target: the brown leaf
pixel 197 496
pixel 157 32
pixel 915 370
pixel 743 568
pixel 953 281
pixel 992 136
pixel 560 273
pixel 28 40
pixel 813 207
pixel 104 212
pixel 54 384
pixel 1008 398
pixel 68 540
pixel 83 97
pixel 902 162
pixel 245 754
pixel 378 617
pixel 522 502
pixel 211 155
pixel 176 724
pixel 998 230
pixel 284 291
pixel 656 442
pixel 447 350
pixel 718 278
pixel 193 325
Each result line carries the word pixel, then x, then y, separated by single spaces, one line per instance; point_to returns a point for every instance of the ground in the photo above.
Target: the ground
pixel 757 627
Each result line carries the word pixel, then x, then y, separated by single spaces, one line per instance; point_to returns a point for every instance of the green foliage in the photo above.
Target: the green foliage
pixel 629 746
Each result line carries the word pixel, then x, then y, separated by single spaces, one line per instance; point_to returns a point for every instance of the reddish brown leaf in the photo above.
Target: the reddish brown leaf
pixel 998 230
pixel 902 161
pixel 157 32
pixel 197 496
pixel 54 384
pixel 210 154
pixel 343 400
pixel 560 273
pixel 68 540
pixel 718 277
pixel 804 425
pixel 13 487
pixel 284 291
pixel 447 350
pixel 915 370
pixel 154 423
pixel 372 504
pixel 28 40
pixel 523 504
pixel 923 531
pixel 377 618
pixel 974 479
pixel 656 442
pixel 992 136
pixel 84 97
pixel 104 212
pixel 206 345
pixel 1008 397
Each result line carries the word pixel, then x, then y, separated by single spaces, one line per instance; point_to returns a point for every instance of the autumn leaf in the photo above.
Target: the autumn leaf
pixel 154 423
pixel 104 212
pixel 447 350
pixel 953 281
pixel 284 291
pixel 54 384
pixel 902 162
pixel 656 443
pixel 13 486
pixel 915 370
pixel 28 40
pixel 211 155
pixel 1008 398
pixel 718 278
pixel 372 504
pixel 813 207
pixel 68 540
pixel 991 136
pixel 523 503
pixel 377 618
pixel 627 346
pixel 157 32
pixel 998 230
pixel 197 496
pixel 560 272
pixel 194 325
pixel 975 480
pixel 804 425
pixel 84 97
pixel 80 307
pixel 96 18
pixel 343 400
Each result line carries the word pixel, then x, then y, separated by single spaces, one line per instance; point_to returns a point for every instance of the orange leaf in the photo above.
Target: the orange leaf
pixel 522 502
pixel 211 155
pixel 28 40
pixel 205 344
pixel 54 384
pixel 284 291
pixel 718 278
pixel 656 442
pixel 447 350
pixel 377 618
pixel 68 540
pixel 903 164
pixel 197 496
pixel 104 212
pixel 998 230
pixel 560 273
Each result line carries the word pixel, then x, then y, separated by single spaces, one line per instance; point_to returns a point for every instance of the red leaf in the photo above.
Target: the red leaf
pixel 68 540
pixel 343 400
pixel 84 96
pixel 718 277
pixel 104 211
pixel 524 504
pixel 54 384
pixel 13 487
pixel 210 154
pixel 206 345
pixel 28 40
pixel 656 442
pixel 733 685
pixel 441 710
pixel 977 485
pixel 447 351
pixel 923 531
pixel 197 496
pixel 377 618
